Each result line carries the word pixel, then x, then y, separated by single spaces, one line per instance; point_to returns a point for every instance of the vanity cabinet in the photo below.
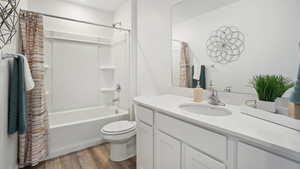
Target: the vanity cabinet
pixel 144 146
pixel 165 142
pixel 193 159
pixel 145 137
pixel 168 152
pixel 204 140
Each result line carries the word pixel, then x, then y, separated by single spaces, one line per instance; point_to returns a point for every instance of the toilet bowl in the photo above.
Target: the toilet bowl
pixel 121 136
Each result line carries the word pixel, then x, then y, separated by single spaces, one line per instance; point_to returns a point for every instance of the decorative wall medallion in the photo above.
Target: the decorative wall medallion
pixel 226 45
pixel 8 20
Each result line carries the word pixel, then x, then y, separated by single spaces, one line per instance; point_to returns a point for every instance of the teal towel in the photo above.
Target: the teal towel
pixel 17 113
pixel 195 82
pixel 203 77
pixel 295 98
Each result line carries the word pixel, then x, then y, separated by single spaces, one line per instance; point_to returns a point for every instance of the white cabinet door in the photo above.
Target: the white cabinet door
pixel 168 152
pixel 193 159
pixel 144 146
pixel 250 157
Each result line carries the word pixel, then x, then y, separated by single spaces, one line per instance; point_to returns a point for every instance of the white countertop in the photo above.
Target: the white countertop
pixel 277 138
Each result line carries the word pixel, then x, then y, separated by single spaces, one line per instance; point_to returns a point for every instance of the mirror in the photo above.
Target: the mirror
pixel 225 43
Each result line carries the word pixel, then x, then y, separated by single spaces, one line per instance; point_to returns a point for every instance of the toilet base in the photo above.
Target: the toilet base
pixel 122 151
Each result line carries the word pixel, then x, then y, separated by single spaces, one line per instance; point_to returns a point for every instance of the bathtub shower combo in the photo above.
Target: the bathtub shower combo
pixel 72 131
pixel 86 107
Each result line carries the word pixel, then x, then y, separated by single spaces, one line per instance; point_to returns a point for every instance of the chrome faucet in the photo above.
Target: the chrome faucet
pixel 115 100
pixel 228 89
pixel 214 98
pixel 117 96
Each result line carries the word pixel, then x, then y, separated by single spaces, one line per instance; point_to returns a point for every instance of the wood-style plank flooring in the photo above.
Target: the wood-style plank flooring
pixel 92 158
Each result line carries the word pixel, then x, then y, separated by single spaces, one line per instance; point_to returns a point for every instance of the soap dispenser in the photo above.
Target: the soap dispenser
pixel 198 93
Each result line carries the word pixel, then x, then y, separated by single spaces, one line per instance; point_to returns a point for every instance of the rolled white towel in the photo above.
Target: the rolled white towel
pixel 29 83
pixel 288 93
pixel 197 72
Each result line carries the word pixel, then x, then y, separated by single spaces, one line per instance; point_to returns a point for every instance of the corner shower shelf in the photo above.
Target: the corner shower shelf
pixel 108 90
pixel 107 68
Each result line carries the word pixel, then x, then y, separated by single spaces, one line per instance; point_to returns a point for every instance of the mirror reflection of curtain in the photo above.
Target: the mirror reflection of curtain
pixel 176 48
pixel 185 79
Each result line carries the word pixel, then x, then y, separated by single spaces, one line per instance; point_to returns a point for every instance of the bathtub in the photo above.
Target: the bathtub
pixel 71 131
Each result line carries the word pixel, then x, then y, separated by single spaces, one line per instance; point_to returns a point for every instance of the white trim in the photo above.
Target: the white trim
pixel 107 68
pixel 176 2
pixel 87 121
pixel 55 35
pixel 74 148
pixel 78 110
pixel 108 89
pixel 121 39
pixel 134 51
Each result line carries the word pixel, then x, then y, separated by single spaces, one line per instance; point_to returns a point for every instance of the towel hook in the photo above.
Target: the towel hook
pixel 8 56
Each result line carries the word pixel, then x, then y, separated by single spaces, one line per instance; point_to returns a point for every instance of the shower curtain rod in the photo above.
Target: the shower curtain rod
pixel 76 20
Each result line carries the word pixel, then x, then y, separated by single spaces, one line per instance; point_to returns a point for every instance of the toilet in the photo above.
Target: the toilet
pixel 121 136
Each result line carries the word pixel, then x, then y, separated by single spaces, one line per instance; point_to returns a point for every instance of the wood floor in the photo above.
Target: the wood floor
pixel 92 158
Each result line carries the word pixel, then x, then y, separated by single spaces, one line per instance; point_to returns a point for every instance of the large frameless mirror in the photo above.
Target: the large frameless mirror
pixel 238 46
pixel 227 43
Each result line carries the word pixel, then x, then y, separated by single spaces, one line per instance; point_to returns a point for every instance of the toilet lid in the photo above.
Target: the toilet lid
pixel 119 127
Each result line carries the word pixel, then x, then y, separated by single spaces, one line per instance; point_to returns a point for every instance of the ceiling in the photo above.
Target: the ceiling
pixel 187 9
pixel 105 5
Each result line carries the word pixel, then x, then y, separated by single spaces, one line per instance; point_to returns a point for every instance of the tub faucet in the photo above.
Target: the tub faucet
pixel 214 98
pixel 115 100
pixel 117 97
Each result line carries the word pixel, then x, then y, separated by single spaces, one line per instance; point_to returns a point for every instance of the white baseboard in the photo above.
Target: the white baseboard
pixel 74 148
pixel 15 166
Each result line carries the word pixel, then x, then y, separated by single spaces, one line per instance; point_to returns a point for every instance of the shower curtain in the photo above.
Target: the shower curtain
pixel 185 71
pixel 33 145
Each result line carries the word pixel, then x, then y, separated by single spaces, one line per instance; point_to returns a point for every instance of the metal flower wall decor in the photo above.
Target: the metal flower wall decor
pixel 226 45
pixel 8 20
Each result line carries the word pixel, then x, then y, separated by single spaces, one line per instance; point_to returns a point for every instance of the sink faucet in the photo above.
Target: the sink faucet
pixel 228 89
pixel 214 98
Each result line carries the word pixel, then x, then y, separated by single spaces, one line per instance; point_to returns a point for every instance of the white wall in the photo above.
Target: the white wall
pixel 8 144
pixel 154 47
pixel 74 78
pixel 123 14
pixel 271 28
pixel 117 54
pixel 71 10
pixel 154 53
pixel 120 52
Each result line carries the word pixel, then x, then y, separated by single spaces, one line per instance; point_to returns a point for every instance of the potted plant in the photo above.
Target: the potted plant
pixel 269 88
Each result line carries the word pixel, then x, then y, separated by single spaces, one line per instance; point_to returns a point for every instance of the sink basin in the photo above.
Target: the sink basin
pixel 206 110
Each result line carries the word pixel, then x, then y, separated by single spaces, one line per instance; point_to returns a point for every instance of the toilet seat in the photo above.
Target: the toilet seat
pixel 119 127
pixel 121 136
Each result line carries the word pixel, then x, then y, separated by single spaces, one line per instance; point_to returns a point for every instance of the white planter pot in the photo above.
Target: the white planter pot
pixel 267 106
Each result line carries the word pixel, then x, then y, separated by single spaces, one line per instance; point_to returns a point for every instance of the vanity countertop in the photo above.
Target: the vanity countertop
pixel 279 139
